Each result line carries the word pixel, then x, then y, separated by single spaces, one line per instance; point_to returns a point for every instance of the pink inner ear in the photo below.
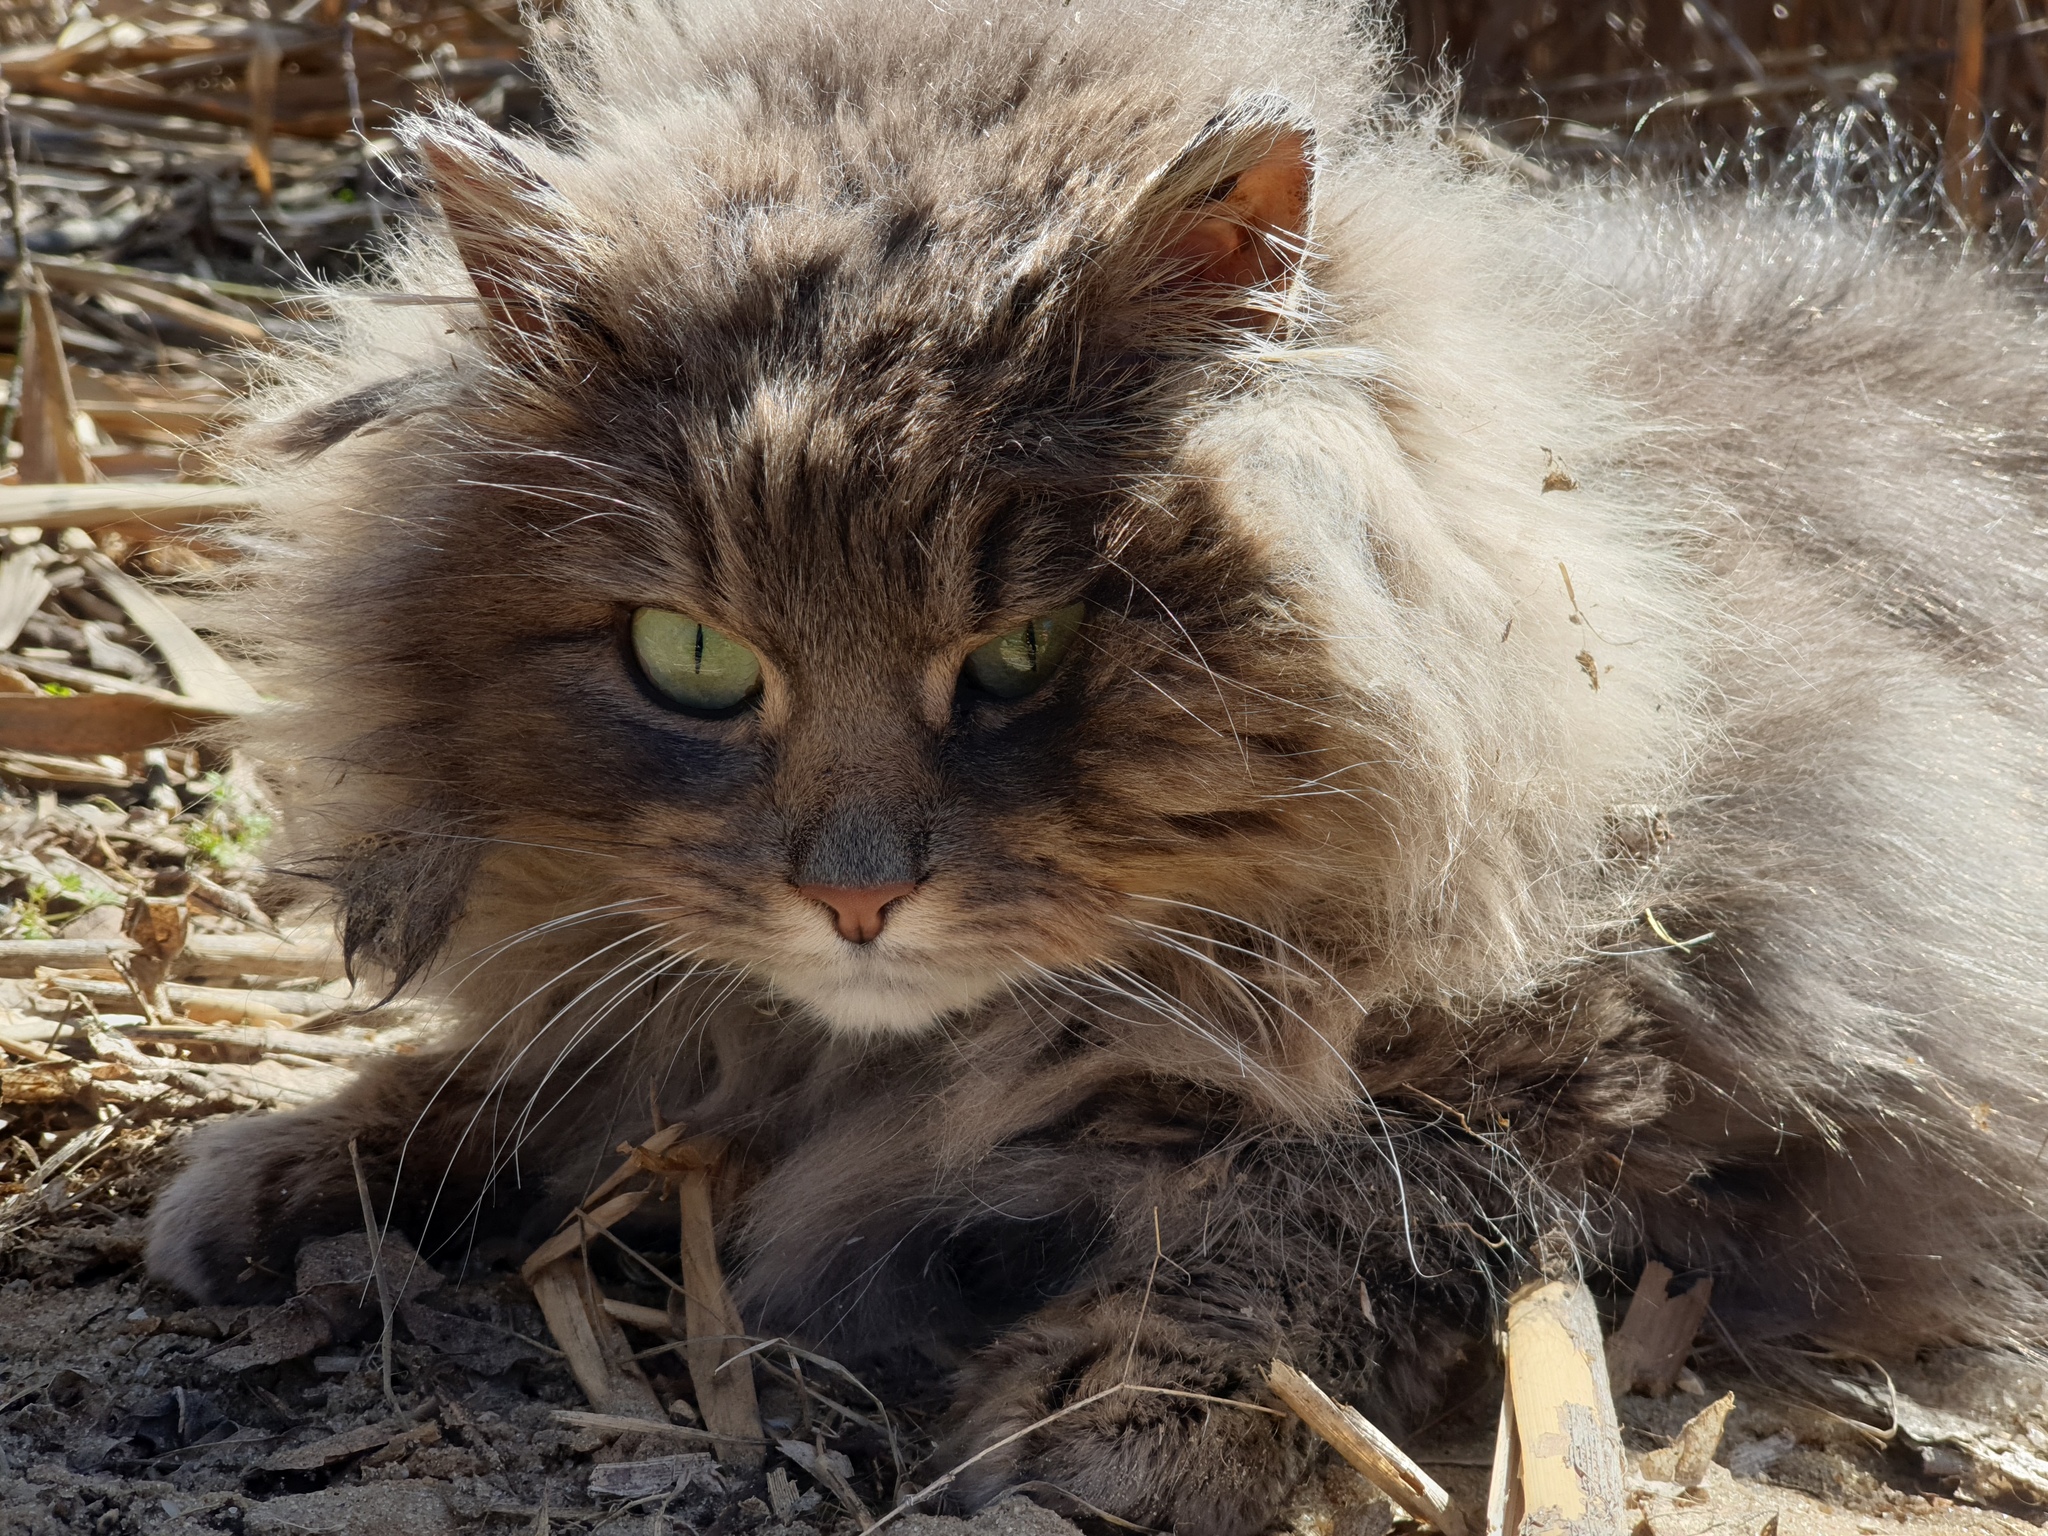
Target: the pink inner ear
pixel 1251 236
pixel 486 212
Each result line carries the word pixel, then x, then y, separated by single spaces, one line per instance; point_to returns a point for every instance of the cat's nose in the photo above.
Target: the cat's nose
pixel 858 909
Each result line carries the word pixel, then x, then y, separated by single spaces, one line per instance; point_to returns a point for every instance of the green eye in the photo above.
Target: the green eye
pixel 693 663
pixel 1018 663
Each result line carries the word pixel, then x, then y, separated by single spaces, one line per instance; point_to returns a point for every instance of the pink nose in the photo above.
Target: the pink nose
pixel 857 909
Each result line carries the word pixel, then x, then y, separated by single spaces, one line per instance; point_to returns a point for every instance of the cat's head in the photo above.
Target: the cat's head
pixel 824 574
pixel 802 545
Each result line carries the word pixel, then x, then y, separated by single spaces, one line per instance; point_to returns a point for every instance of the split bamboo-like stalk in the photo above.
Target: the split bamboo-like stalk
pixel 48 421
pixel 1504 1484
pixel 713 1331
pixel 1376 1458
pixel 98 506
pixel 1568 1443
pixel 592 1342
pixel 581 1226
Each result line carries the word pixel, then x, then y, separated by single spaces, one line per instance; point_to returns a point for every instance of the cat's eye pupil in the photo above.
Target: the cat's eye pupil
pixel 1020 662
pixel 694 665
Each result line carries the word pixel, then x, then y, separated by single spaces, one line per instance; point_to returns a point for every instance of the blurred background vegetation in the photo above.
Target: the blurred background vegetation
pixel 246 140
pixel 1945 97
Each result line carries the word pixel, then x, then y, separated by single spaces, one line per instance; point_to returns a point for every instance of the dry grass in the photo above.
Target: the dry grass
pixel 1657 80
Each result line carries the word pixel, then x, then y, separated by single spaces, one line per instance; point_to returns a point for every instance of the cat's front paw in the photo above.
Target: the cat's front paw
pixel 1171 1462
pixel 229 1227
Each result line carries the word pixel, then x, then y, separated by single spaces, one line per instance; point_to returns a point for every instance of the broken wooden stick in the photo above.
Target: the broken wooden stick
pixel 590 1338
pixel 1568 1443
pixel 1376 1458
pixel 1646 1353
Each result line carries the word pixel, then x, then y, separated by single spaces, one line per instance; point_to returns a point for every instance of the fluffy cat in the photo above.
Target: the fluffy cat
pixel 1049 617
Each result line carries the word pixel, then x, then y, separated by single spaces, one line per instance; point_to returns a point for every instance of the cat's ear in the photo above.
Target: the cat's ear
pixel 1232 213
pixel 517 236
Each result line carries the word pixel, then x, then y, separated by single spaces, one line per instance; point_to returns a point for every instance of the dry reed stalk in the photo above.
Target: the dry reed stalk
pixel 231 329
pixel 1569 1445
pixel 1504 1483
pixel 592 1342
pixel 161 507
pixel 375 1238
pixel 648 1319
pixel 1962 160
pixel 580 1226
pixel 715 1343
pixel 265 62
pixel 201 672
pixel 1376 1458
pixel 47 424
pixel 17 224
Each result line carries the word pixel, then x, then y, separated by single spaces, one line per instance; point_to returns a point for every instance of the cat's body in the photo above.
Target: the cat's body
pixel 1405 859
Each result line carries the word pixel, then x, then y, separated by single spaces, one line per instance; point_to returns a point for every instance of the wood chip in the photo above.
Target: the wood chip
pixel 1691 1451
pixel 1375 1457
pixel 401 1446
pixel 832 1472
pixel 336 1449
pixel 657 1475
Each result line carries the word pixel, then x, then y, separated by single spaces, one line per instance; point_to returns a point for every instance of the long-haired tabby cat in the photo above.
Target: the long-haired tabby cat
pixel 1045 615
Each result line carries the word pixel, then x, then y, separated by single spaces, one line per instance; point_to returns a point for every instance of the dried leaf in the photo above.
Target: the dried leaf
pixel 47 426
